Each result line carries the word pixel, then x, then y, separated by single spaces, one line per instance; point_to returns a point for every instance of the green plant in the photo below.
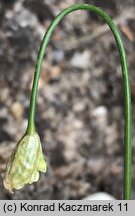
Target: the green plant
pixel 13 178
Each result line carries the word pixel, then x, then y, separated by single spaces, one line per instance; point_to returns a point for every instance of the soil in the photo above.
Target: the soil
pixel 80 106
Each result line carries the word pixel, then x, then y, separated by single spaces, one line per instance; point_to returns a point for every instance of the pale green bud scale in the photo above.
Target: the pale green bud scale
pixel 25 163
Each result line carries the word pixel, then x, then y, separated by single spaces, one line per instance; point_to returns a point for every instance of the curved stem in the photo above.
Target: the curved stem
pixel 127 94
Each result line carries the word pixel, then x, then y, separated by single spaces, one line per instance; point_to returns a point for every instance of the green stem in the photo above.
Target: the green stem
pixel 127 94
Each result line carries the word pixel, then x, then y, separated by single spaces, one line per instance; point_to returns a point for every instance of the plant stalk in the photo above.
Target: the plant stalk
pixel 126 85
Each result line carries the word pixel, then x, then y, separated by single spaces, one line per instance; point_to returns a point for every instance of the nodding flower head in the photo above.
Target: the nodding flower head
pixel 25 163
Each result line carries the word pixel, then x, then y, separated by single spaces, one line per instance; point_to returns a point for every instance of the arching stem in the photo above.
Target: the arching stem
pixel 126 84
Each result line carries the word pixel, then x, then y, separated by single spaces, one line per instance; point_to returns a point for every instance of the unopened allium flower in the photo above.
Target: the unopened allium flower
pixel 25 163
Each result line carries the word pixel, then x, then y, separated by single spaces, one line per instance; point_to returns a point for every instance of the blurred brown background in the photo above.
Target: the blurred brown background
pixel 80 101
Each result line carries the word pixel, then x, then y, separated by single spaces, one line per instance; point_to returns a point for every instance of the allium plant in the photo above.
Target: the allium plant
pixel 27 158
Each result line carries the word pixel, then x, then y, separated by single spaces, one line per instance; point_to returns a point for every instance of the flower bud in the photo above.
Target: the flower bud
pixel 25 163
